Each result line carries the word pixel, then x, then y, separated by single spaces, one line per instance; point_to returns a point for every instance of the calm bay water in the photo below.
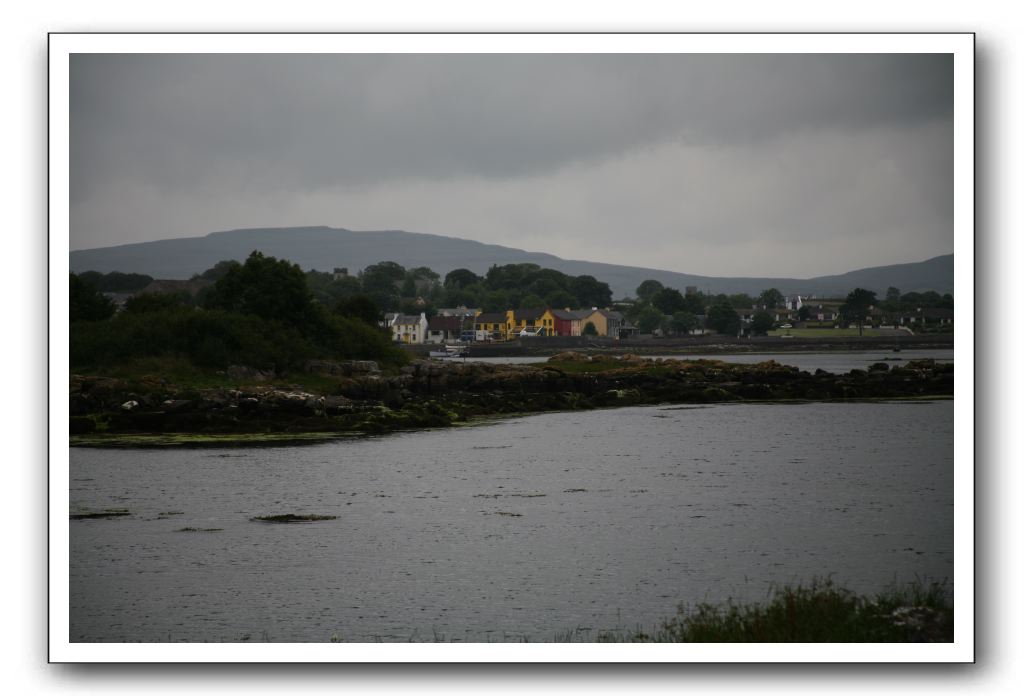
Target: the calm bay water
pixel 835 362
pixel 529 527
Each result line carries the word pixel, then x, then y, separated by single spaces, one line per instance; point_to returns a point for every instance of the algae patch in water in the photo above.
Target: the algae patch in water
pixel 105 514
pixel 289 518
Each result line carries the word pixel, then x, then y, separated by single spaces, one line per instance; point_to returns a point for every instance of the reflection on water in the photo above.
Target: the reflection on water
pixel 519 528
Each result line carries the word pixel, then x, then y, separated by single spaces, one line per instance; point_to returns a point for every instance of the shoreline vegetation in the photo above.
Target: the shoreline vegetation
pixel 821 612
pixel 155 404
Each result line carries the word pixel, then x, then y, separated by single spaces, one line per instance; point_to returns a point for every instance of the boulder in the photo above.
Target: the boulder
pixel 241 372
pixel 570 356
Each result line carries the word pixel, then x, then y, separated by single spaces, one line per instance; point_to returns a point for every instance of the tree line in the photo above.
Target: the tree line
pixel 269 313
pixel 260 313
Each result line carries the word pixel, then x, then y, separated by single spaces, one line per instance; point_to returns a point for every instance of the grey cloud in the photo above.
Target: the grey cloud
pixel 706 162
pixel 312 121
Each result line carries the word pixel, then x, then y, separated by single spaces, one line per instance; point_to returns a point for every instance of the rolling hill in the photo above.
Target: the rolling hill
pixel 323 248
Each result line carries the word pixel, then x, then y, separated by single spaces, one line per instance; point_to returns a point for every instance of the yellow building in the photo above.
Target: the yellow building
pixel 534 319
pixel 546 320
pixel 606 322
pixel 594 317
pixel 495 324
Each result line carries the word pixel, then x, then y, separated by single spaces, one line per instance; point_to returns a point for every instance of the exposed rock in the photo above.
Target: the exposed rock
pixel 251 374
pixel 346 368
pixel 432 394
pixel 570 356
pixel 176 405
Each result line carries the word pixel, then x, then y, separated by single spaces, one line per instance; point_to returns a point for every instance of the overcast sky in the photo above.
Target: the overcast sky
pixel 768 165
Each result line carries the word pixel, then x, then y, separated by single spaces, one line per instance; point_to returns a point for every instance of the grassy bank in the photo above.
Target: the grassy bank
pixel 820 613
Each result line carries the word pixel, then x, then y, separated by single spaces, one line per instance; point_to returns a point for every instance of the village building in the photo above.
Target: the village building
pixel 463 312
pixel 409 328
pixel 519 319
pixel 444 329
pixel 490 326
pixel 607 322
pixel 568 322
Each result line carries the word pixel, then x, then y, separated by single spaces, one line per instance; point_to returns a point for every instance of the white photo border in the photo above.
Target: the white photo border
pixel 961 45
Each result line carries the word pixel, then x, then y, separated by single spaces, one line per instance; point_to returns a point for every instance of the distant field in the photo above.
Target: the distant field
pixel 831 333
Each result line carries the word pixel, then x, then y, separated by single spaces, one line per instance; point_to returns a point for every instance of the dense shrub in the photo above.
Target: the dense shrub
pixel 217 338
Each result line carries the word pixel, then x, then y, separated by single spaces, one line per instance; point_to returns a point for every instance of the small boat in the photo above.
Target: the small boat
pixel 451 352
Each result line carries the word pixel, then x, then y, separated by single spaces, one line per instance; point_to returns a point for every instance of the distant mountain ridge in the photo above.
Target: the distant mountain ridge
pixel 324 248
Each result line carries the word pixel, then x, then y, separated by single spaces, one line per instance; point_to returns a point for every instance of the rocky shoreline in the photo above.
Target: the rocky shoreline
pixel 430 393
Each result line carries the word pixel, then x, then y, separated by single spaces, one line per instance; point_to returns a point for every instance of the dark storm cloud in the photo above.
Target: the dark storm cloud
pixel 219 137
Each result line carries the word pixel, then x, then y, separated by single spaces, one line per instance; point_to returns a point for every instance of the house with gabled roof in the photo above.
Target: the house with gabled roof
pixel 443 329
pixel 519 319
pixel 409 328
pixel 491 326
pixel 568 322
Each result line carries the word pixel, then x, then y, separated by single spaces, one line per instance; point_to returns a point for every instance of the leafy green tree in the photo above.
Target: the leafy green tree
pixel 87 303
pixel 459 297
pixel 123 282
pixel 649 319
pixel 892 296
pixel 543 286
pixel 408 287
pixel 742 300
pixel 762 323
pixel 648 288
pixel 771 298
pixel 668 300
pixel 531 302
pixel 723 318
pixel 695 303
pixel 803 313
pixel 683 322
pixel 152 302
pixel 461 278
pixel 665 327
pixel 219 270
pixel 424 273
pixel 510 276
pixel 266 287
pixel 495 301
pixel 93 278
pixel 633 311
pixel 590 292
pixel 548 280
pixel 590 329
pixel 360 307
pixel 382 281
pixel 857 306
pixel 559 299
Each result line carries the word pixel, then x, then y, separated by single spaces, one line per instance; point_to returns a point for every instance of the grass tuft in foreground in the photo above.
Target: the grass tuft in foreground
pixel 820 613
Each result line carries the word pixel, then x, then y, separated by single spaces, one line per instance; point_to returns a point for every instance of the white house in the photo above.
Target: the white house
pixel 409 328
